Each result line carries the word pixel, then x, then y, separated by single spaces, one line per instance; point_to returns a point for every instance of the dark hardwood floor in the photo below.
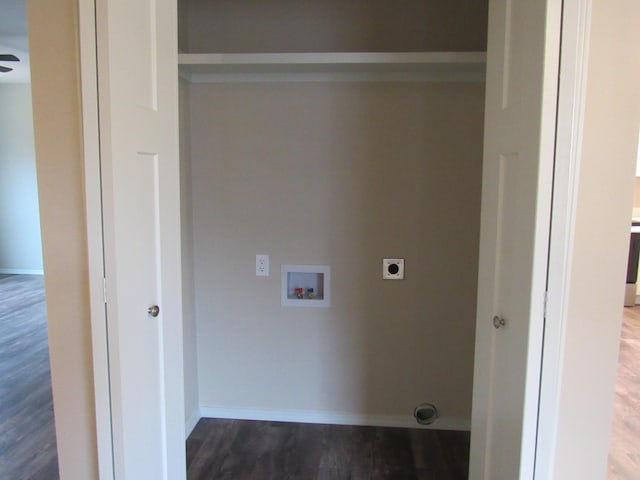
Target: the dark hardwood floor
pixel 242 449
pixel 27 433
pixel 624 450
pixel 237 449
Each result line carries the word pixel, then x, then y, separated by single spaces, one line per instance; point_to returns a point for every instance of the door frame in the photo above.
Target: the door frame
pixel 576 17
pixel 576 21
pixel 95 240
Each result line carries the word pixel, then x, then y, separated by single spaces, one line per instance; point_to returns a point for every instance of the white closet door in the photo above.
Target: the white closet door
pixel 138 99
pixel 522 69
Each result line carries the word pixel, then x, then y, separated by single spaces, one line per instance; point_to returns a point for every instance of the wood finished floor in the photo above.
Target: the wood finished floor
pixel 624 450
pixel 236 449
pixel 255 450
pixel 27 432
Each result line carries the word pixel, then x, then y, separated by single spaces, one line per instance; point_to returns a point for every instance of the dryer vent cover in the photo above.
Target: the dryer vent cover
pixel 426 413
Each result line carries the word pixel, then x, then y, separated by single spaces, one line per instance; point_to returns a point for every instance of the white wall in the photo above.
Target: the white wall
pixel 341 175
pixel 600 245
pixel 20 243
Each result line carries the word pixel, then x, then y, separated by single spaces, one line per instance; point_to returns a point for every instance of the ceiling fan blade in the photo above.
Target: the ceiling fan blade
pixel 7 57
pixel 5 69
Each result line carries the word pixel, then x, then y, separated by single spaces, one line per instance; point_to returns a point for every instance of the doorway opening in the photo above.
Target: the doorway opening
pixel 28 446
pixel 140 306
pixel 624 446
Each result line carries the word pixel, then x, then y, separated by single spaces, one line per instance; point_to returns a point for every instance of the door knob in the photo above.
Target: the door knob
pixel 153 310
pixel 498 322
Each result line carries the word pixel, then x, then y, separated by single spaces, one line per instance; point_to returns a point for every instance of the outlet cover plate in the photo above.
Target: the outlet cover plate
pixel 262 265
pixel 393 268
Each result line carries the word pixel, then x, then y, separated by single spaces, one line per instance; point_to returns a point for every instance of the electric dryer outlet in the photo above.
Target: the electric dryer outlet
pixel 393 268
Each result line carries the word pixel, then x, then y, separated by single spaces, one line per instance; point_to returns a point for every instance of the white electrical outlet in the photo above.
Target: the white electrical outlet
pixel 262 265
pixel 393 268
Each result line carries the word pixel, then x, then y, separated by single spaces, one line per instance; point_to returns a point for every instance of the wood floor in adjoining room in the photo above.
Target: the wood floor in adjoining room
pixel 624 450
pixel 27 432
pixel 257 450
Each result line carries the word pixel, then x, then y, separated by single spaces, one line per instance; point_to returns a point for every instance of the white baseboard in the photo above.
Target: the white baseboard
pixel 637 299
pixel 20 271
pixel 191 422
pixel 333 418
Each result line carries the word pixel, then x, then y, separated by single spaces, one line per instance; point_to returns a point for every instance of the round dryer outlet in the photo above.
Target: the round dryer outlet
pixel 393 268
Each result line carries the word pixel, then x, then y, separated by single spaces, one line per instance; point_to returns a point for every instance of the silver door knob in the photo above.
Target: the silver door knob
pixel 498 322
pixel 153 310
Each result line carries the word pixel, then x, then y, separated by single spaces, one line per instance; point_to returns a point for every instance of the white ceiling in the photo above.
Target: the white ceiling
pixel 13 39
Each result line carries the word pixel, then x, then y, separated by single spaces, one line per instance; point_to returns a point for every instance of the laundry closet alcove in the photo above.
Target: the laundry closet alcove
pixel 331 133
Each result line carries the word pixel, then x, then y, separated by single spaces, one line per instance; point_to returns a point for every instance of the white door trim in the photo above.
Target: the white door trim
pixel 95 246
pixel 571 100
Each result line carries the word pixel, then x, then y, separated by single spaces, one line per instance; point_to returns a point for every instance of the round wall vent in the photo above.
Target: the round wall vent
pixel 426 413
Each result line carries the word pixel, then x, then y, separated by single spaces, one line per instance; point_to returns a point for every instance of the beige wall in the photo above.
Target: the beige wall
pixel 636 194
pixel 601 242
pixel 338 174
pixel 191 402
pixel 333 26
pixel 53 43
